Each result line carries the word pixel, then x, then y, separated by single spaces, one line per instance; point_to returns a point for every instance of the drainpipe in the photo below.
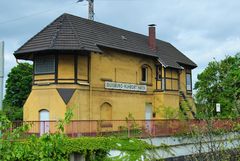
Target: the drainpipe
pixel 90 91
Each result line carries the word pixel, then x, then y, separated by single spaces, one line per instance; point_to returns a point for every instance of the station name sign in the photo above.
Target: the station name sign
pixel 125 86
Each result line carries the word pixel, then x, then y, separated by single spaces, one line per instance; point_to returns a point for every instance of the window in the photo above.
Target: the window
pixel 144 74
pixel 159 74
pixel 172 79
pixel 44 64
pixel 159 81
pixel 189 81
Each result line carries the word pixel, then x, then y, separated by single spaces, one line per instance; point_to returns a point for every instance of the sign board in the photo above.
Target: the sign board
pixel 218 107
pixel 125 86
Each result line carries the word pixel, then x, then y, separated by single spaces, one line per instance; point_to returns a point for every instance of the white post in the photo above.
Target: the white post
pixel 1 72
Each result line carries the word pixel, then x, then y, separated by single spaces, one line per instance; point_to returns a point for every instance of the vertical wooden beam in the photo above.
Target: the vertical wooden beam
pixel 165 79
pixel 89 66
pixel 90 87
pixel 157 73
pixel 171 80
pixel 75 68
pixel 33 72
pixel 56 68
pixel 179 70
pixel 115 74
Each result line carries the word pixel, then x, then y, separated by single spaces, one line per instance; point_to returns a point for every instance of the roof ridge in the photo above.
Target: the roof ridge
pixel 74 30
pixel 38 33
pixel 101 23
pixel 59 27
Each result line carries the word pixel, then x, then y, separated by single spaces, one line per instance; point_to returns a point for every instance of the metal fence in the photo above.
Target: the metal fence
pixel 130 128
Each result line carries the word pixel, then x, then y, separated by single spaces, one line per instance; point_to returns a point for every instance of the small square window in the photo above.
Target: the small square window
pixel 44 64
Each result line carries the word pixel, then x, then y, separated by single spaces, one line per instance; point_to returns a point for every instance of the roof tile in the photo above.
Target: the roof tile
pixel 69 32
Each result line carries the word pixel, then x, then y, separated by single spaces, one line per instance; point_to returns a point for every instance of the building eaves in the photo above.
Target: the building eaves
pixel 69 32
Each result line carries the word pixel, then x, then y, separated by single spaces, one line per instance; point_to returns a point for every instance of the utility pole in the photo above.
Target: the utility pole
pixel 90 9
pixel 1 72
pixel 1 76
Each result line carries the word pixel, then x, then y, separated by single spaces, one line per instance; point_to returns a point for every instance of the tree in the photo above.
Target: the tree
pixel 18 87
pixel 220 83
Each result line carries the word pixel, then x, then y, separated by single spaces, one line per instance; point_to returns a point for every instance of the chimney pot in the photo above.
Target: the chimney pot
pixel 152 37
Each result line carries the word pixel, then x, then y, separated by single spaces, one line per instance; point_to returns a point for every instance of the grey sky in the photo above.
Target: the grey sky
pixel 202 30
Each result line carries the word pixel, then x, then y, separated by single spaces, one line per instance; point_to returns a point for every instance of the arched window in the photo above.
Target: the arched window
pixel 44 121
pixel 146 74
pixel 106 115
pixel 44 115
pixel 144 71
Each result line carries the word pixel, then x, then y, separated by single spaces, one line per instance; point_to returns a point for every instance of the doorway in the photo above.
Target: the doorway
pixel 44 122
pixel 148 116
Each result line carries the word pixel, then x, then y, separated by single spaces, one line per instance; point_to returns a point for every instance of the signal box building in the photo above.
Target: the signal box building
pixel 104 73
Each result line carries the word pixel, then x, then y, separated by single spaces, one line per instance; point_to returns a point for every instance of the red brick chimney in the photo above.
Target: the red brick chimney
pixel 152 37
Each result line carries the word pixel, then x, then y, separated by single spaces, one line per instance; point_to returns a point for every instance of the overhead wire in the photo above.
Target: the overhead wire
pixel 48 11
pixel 37 14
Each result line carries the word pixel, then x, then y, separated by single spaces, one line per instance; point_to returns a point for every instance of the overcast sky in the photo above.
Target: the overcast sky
pixel 202 30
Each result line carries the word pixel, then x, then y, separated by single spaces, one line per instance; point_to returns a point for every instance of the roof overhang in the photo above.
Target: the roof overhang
pixel 28 55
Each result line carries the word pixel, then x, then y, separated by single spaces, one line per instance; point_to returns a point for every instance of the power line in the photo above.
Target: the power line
pixel 53 10
pixel 35 14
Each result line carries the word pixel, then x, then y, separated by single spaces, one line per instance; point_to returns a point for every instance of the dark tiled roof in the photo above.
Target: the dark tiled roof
pixel 70 32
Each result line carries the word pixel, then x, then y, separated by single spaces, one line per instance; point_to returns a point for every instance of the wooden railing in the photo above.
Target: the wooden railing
pixel 130 128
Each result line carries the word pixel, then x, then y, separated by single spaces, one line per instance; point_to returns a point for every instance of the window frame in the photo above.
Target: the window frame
pixel 171 79
pixel 52 71
pixel 146 74
pixel 188 72
pixel 159 73
pixel 159 78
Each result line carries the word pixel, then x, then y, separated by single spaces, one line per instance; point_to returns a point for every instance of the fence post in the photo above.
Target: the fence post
pixel 44 127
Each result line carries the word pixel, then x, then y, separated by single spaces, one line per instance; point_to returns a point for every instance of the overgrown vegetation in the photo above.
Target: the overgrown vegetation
pixel 18 87
pixel 212 141
pixel 16 145
pixel 220 83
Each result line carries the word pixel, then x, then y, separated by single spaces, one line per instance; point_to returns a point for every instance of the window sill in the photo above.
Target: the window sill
pixel 106 79
pixel 189 92
pixel 145 83
pixel 83 83
pixel 43 73
pixel 158 90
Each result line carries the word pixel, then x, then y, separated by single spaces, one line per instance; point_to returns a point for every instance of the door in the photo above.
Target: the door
pixel 148 116
pixel 44 122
